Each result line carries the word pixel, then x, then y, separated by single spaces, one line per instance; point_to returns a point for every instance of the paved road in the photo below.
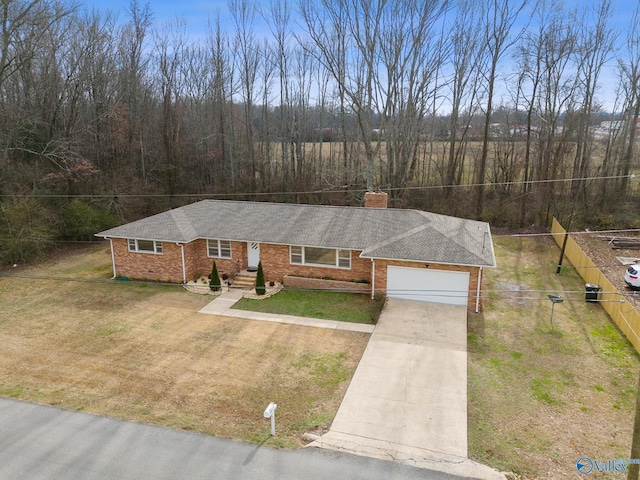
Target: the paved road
pixel 40 442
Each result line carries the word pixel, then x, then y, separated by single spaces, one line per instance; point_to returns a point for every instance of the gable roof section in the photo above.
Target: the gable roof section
pixel 379 232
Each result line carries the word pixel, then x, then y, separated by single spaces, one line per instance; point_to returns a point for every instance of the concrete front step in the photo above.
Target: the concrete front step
pixel 244 281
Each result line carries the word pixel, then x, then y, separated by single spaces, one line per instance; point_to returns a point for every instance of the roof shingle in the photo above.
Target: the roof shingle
pixel 379 232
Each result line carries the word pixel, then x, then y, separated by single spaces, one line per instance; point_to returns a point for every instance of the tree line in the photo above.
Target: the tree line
pixel 482 109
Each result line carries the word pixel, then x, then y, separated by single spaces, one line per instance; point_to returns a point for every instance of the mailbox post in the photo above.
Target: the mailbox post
pixel 554 299
pixel 270 412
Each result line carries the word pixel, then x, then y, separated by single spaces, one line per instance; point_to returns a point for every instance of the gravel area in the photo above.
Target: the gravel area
pixel 602 253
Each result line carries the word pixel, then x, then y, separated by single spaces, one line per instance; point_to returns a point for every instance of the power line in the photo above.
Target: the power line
pixel 307 192
pixel 486 293
pixel 581 232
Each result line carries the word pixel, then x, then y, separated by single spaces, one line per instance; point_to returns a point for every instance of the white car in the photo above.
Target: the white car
pixel 632 276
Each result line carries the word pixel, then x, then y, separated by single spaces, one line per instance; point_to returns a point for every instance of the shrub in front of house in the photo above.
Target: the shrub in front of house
pixel 260 284
pixel 215 284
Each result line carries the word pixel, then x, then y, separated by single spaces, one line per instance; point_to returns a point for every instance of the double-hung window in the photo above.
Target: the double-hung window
pixel 145 246
pixel 219 248
pixel 325 257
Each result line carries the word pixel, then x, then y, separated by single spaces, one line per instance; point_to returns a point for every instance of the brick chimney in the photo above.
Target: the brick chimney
pixel 375 200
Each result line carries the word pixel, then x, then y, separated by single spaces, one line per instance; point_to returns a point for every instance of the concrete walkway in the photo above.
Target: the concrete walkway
pixel 407 400
pixel 223 304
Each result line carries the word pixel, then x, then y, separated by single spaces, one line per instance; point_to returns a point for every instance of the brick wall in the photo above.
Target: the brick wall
pixel 276 264
pixel 320 284
pixel 166 267
pixel 375 200
pixel 199 263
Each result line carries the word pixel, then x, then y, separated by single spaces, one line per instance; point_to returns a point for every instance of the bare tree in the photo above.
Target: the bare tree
pixel 629 74
pixel 595 45
pixel 222 90
pixel 128 117
pixel 21 24
pixel 499 18
pixel 463 85
pixel 170 45
pixel 248 61
pixel 546 89
pixel 412 51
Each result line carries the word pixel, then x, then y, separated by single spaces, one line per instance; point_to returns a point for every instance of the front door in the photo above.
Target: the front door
pixel 253 254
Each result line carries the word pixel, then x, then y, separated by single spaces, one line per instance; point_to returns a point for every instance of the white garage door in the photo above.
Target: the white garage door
pixel 427 285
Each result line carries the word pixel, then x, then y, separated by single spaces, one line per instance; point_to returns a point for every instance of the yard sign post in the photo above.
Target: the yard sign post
pixel 554 299
pixel 270 412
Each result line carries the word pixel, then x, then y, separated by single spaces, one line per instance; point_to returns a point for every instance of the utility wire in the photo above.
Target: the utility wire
pixel 486 294
pixel 577 232
pixel 306 192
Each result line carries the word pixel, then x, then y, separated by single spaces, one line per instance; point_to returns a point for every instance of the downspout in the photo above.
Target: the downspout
pixel 113 260
pixel 478 290
pixel 373 278
pixel 184 268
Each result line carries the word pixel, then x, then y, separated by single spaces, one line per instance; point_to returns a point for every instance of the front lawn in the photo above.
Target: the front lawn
pixel 70 337
pixel 340 306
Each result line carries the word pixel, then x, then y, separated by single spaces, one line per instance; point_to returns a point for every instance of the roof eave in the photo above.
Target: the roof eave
pixel 439 262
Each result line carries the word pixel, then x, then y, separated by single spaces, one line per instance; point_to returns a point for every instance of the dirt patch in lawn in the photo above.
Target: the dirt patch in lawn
pixel 543 396
pixel 140 352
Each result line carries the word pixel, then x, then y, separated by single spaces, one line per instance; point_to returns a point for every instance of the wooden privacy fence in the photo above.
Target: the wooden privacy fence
pixel 623 313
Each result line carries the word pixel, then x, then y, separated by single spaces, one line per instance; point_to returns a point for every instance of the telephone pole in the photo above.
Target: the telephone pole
pixel 633 470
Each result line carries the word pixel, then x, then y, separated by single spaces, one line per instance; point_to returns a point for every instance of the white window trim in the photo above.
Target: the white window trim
pixel 215 244
pixel 133 242
pixel 304 262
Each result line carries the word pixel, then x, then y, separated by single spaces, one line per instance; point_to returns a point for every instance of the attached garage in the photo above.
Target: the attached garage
pixel 428 285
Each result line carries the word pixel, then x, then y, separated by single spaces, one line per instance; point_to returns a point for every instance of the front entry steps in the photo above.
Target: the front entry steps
pixel 244 280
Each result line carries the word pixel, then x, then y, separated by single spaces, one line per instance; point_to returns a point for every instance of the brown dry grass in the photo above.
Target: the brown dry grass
pixel 141 352
pixel 540 398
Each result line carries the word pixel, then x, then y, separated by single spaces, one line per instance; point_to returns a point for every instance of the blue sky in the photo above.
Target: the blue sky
pixel 197 13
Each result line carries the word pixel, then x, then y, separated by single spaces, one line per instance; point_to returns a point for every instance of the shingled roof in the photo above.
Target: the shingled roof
pixel 380 233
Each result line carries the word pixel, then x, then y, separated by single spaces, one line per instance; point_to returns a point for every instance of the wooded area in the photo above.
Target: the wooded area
pixel 483 109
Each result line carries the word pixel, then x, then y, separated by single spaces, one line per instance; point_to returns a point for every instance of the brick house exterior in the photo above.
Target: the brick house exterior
pixel 173 246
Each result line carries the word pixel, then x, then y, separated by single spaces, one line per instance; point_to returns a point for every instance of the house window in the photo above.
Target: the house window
pixel 219 248
pixel 296 255
pixel 145 246
pixel 344 258
pixel 326 257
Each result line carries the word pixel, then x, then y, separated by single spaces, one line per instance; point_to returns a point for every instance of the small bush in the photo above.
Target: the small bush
pixel 215 284
pixel 261 289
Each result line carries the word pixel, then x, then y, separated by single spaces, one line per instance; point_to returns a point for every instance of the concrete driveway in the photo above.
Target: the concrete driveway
pixel 407 400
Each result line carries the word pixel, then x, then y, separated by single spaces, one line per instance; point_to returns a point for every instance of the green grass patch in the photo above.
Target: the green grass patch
pixel 544 390
pixel 11 391
pixel 531 385
pixel 340 306
pixel 326 370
